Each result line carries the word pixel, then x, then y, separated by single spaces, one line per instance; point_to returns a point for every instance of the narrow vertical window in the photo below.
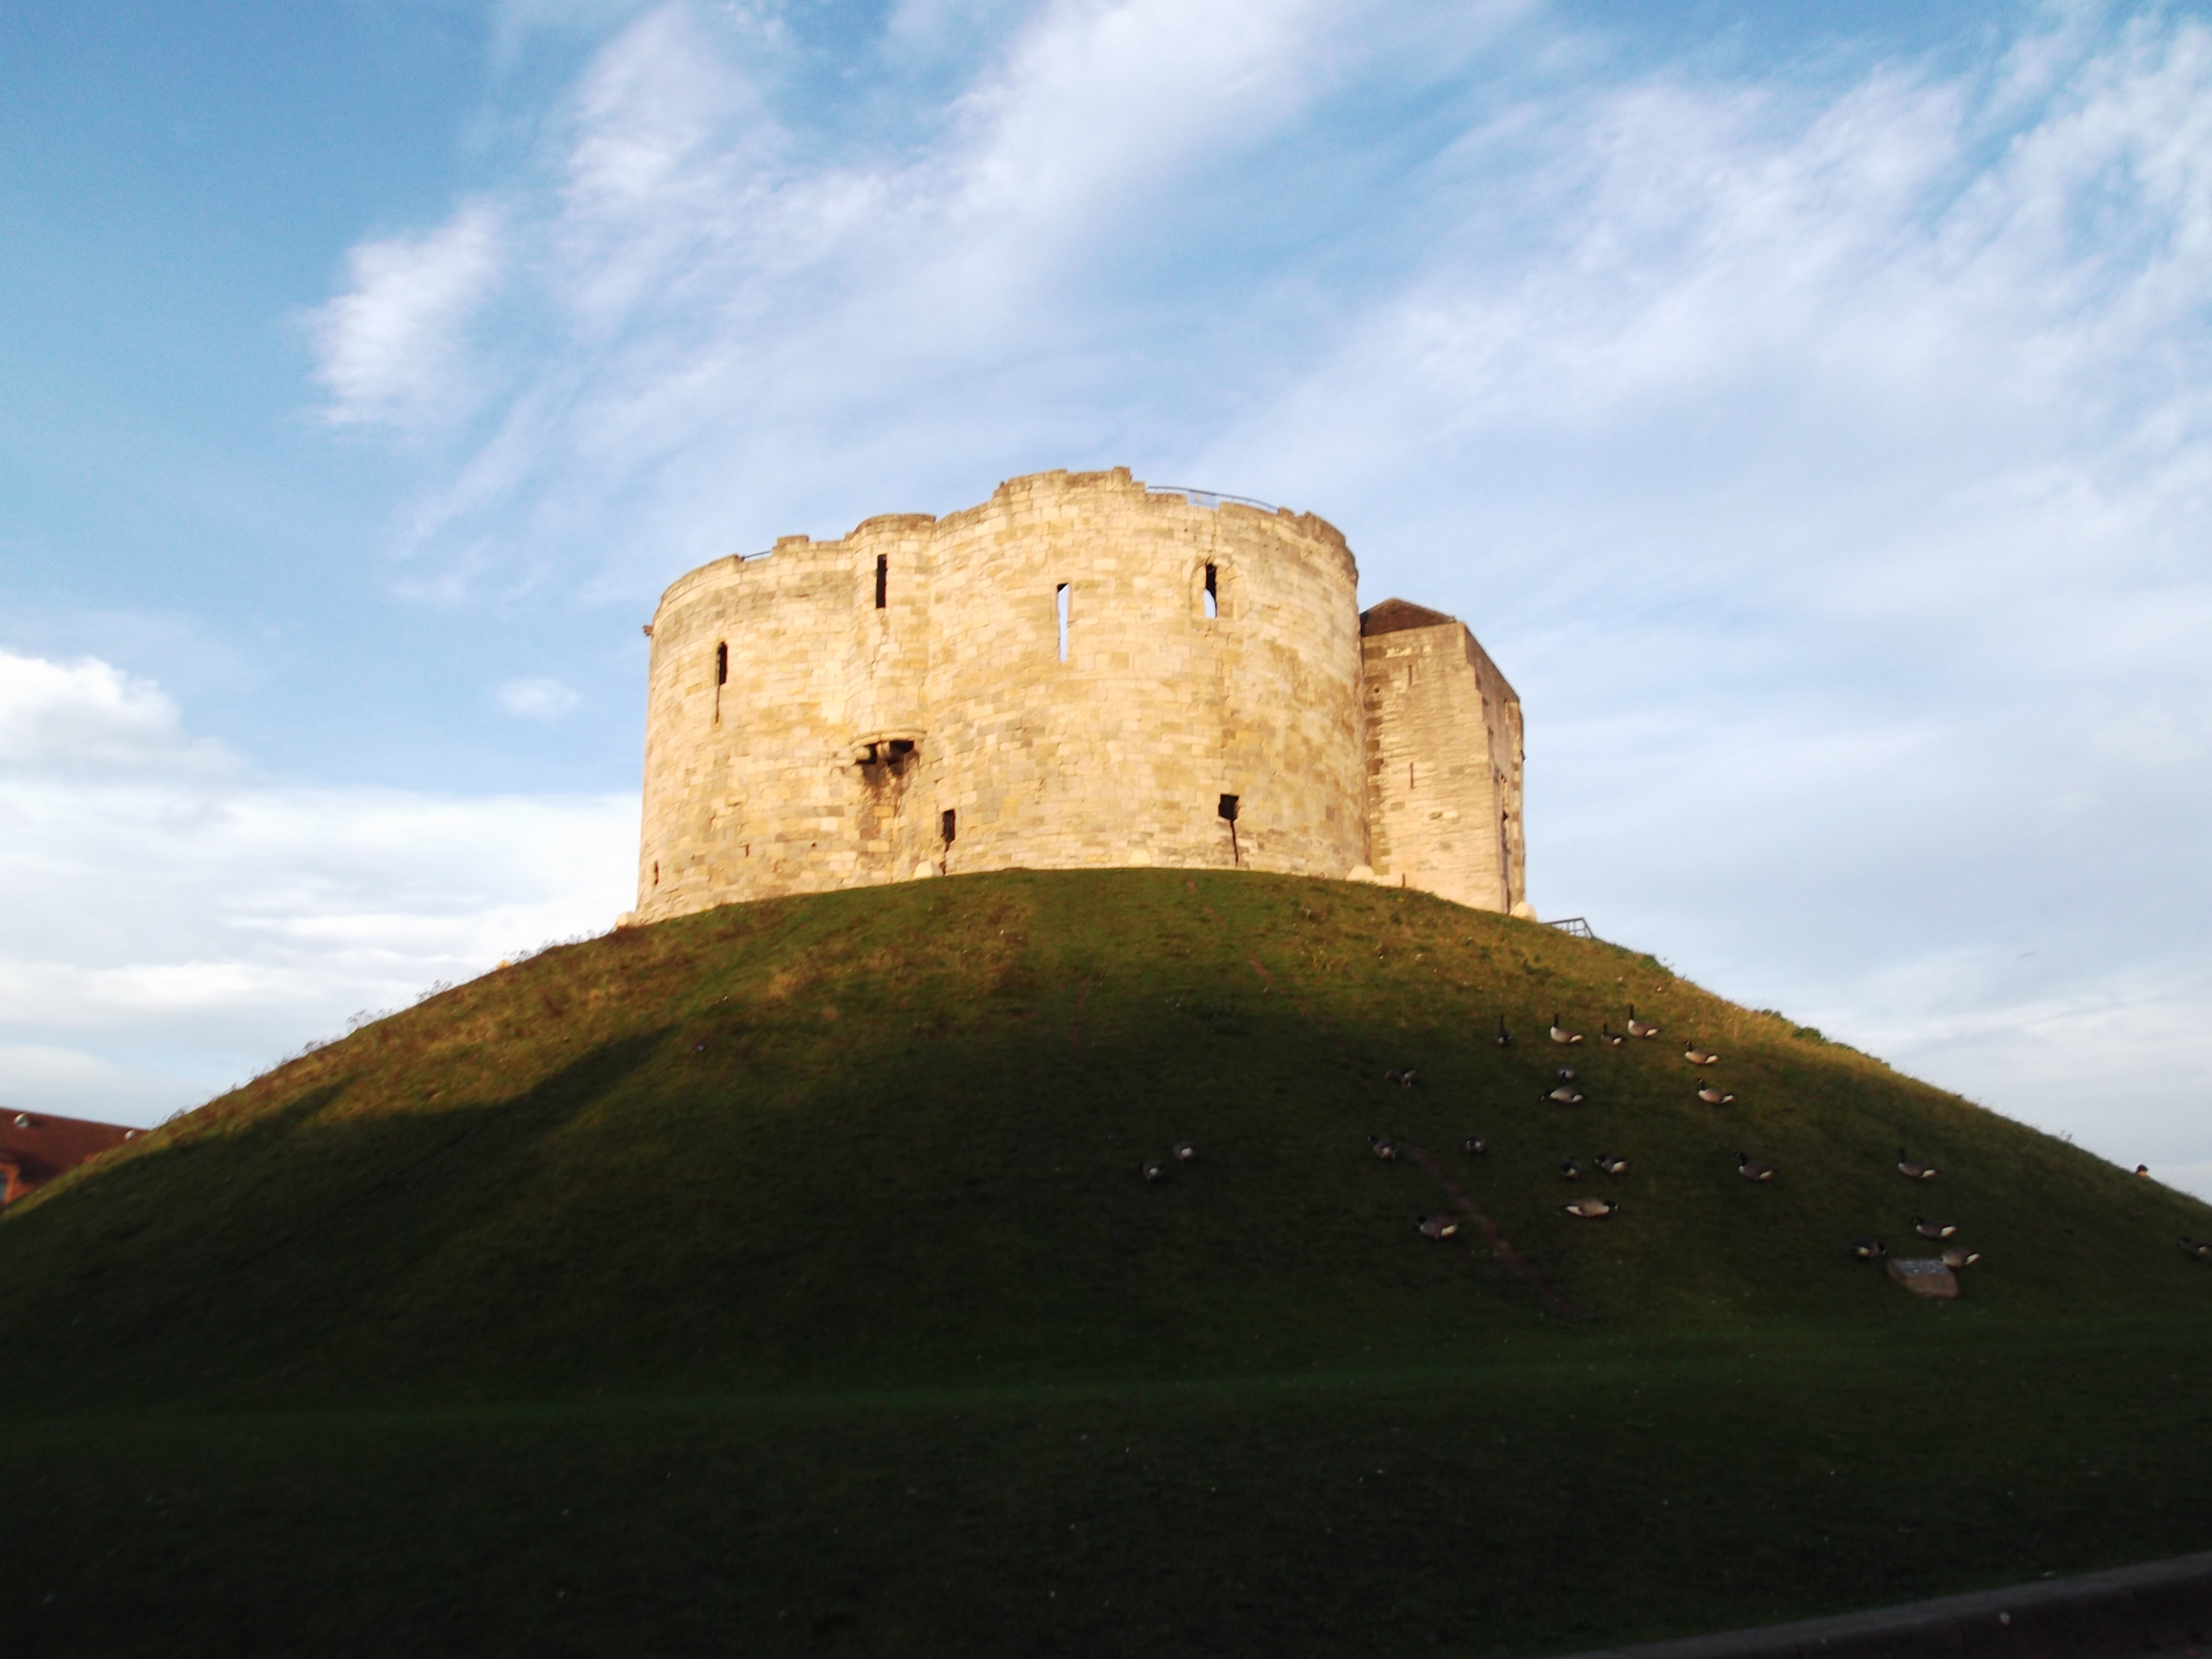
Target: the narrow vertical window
pixel 722 664
pixel 1228 811
pixel 947 824
pixel 1213 592
pixel 656 872
pixel 1061 598
pixel 883 579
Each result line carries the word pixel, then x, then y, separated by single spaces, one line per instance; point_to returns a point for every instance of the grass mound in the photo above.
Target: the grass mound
pixel 750 1228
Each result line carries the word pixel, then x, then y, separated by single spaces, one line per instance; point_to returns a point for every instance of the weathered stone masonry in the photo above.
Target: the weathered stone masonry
pixel 1079 672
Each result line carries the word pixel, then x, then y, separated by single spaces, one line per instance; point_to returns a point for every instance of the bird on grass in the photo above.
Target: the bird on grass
pixel 1913 1172
pixel 1611 1038
pixel 1404 1079
pixel 1153 1169
pixel 1928 1228
pixel 1560 1033
pixel 1476 1145
pixel 1184 1151
pixel 2201 1248
pixel 1866 1249
pixel 1713 1095
pixel 1571 1170
pixel 1955 1258
pixel 1636 1028
pixel 1751 1170
pixel 1592 1209
pixel 1505 1036
pixel 1567 1075
pixel 1612 1165
pixel 1438 1227
pixel 1565 1095
pixel 1385 1148
pixel 1697 1056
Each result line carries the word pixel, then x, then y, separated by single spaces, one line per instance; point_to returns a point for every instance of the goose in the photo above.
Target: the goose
pixel 1404 1079
pixel 1636 1028
pixel 2197 1248
pixel 1438 1227
pixel 1476 1145
pixel 1560 1033
pixel 1954 1258
pixel 1385 1149
pixel 1571 1170
pixel 1697 1056
pixel 1567 1075
pixel 1592 1209
pixel 1913 1172
pixel 1153 1169
pixel 1612 1165
pixel 1866 1249
pixel 1713 1095
pixel 1505 1036
pixel 1751 1170
pixel 1565 1095
pixel 1184 1151
pixel 1928 1228
pixel 1612 1038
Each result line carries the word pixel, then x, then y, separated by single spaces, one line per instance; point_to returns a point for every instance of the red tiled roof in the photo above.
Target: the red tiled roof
pixel 1394 616
pixel 36 1146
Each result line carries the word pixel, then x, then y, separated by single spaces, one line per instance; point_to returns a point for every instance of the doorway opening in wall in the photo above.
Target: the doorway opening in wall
pixel 883 579
pixel 1227 812
pixel 1213 592
pixel 1060 600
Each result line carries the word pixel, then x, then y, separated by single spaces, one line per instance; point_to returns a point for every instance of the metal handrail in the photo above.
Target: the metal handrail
pixel 1212 498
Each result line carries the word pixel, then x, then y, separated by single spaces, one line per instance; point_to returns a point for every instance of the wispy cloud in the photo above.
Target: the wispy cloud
pixel 536 699
pixel 392 350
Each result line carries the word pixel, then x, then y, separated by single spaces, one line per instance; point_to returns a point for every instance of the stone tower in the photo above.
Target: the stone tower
pixel 1079 672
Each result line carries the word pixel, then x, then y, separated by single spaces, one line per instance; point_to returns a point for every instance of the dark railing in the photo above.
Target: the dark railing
pixel 1572 927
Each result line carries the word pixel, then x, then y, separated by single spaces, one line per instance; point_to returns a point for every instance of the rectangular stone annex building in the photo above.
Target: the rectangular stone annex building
pixel 1081 672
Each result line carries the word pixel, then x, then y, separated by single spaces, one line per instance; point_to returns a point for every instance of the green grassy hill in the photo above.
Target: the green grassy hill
pixel 801 1245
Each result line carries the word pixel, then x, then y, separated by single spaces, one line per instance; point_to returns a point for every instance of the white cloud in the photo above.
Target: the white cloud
pixel 167 932
pixel 391 350
pixel 85 714
pixel 536 699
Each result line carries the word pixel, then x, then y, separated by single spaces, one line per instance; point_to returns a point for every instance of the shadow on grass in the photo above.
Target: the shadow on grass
pixel 302 1224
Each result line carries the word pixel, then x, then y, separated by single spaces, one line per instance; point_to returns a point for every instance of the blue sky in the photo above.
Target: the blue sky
pixel 1806 404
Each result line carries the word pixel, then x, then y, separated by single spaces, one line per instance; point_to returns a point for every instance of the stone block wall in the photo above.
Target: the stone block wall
pixel 1443 760
pixel 822 716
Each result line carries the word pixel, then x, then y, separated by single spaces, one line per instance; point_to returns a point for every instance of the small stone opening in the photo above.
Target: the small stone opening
pixel 1213 591
pixel 948 824
pixel 1059 599
pixel 883 579
pixel 1228 813
pixel 722 664
pixel 656 872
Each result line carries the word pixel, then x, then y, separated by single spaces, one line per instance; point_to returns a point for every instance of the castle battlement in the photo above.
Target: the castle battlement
pixel 1079 672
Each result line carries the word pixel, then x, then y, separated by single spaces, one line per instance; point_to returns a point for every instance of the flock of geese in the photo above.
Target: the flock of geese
pixel 1712 1093
pixel 1437 1228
